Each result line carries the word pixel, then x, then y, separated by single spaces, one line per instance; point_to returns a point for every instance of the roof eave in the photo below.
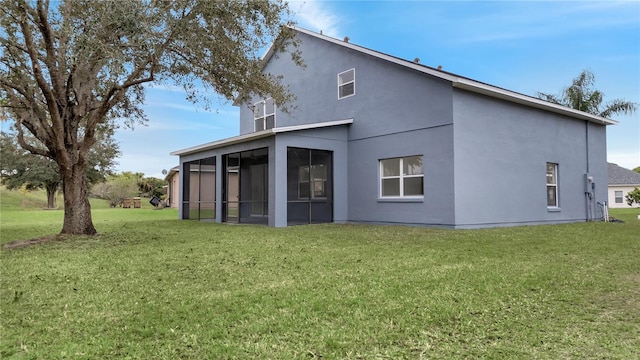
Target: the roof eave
pixel 257 135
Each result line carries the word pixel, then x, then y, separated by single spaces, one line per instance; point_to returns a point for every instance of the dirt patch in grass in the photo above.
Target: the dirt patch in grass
pixel 31 242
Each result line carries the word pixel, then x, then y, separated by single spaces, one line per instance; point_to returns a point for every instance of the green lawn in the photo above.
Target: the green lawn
pixel 153 287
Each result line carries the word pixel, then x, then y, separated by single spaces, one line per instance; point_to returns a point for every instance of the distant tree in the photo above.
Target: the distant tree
pixel 69 68
pixel 19 167
pixel 581 95
pixel 633 197
pixel 151 186
pixel 115 189
pixel 23 170
pixel 637 169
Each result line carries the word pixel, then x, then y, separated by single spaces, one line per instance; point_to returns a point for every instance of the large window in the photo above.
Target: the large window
pixel 346 83
pixel 402 177
pixel 246 187
pixel 618 197
pixel 199 189
pixel 264 115
pixel 552 185
pixel 309 186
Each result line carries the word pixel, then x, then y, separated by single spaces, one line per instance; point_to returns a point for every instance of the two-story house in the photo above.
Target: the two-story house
pixel 377 139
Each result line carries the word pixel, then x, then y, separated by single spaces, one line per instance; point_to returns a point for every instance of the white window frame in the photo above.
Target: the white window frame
pixel 621 198
pixel 263 105
pixel 400 178
pixel 553 185
pixel 340 85
pixel 320 182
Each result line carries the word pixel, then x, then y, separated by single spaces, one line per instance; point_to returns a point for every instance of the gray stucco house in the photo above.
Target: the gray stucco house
pixel 378 139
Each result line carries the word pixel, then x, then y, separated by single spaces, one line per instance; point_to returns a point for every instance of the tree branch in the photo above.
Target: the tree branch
pixel 58 129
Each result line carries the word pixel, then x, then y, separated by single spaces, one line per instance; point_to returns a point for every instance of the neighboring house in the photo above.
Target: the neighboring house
pixel 173 179
pixel 201 187
pixel 621 182
pixel 373 138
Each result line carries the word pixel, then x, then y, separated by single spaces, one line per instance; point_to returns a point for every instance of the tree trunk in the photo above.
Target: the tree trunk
pixel 77 210
pixel 51 195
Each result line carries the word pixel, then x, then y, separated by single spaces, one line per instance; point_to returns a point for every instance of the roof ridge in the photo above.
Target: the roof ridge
pixel 460 81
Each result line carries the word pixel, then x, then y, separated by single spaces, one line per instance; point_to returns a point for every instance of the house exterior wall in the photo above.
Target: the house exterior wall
pixel 625 190
pixel 484 159
pixel 437 206
pixel 417 101
pixel 332 139
pixel 501 151
pixel 173 190
pixel 414 119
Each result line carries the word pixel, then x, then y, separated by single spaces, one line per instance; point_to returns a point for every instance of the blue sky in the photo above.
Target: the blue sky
pixel 519 45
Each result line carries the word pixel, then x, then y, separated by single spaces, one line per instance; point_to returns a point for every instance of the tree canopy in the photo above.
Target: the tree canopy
pixel 581 95
pixel 71 66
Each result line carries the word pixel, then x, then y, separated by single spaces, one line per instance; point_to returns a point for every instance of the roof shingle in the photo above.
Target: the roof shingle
pixel 621 176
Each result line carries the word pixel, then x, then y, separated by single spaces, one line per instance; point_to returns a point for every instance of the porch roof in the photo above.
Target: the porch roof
pixel 257 135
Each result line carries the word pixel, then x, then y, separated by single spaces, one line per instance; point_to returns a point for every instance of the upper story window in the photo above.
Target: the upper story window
pixel 552 185
pixel 264 115
pixel 402 177
pixel 346 83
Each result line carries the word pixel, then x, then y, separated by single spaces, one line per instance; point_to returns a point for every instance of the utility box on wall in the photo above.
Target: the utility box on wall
pixel 589 185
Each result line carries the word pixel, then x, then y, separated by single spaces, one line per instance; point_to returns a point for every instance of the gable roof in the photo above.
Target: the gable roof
pixel 621 176
pixel 458 81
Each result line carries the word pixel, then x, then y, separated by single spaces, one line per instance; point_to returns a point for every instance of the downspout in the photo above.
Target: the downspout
pixel 587 192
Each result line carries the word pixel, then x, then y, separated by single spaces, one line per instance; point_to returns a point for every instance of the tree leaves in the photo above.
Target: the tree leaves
pixel 581 95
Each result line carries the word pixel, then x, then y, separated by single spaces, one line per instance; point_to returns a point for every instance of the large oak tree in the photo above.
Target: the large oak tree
pixel 70 66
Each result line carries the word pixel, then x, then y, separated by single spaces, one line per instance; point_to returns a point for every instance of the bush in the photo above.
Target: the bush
pixel 633 197
pixel 115 190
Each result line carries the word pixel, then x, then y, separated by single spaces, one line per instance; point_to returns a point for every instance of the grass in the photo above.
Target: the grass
pixel 153 287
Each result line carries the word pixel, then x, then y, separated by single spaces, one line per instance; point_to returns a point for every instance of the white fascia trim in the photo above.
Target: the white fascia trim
pixel 465 83
pixel 257 135
pixel 312 125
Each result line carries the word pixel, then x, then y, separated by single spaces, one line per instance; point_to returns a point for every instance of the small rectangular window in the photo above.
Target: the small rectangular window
pixel 264 115
pixel 402 177
pixel 618 197
pixel 552 185
pixel 346 83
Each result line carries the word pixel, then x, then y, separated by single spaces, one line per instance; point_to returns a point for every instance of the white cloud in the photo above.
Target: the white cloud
pixel 149 164
pixel 316 16
pixel 629 160
pixel 516 20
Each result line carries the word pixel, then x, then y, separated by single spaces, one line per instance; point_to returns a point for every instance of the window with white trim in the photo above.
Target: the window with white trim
pixel 264 115
pixel 346 83
pixel 317 176
pixel 552 185
pixel 402 177
pixel 618 195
